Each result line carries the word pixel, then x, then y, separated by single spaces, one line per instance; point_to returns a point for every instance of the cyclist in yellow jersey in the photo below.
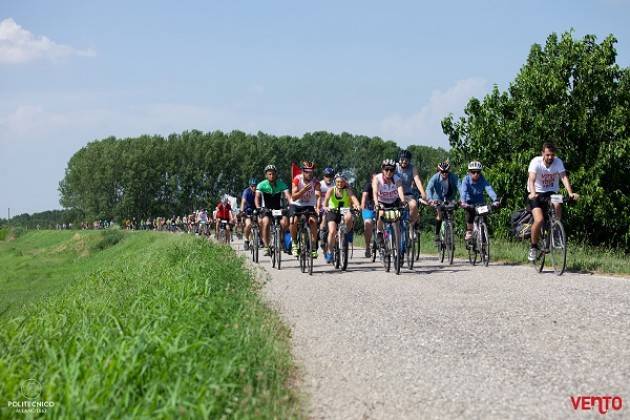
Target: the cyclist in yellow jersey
pixel 339 196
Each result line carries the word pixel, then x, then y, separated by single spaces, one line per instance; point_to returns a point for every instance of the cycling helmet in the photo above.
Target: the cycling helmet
pixel 329 171
pixel 475 165
pixel 444 166
pixel 388 163
pixel 253 181
pixel 270 168
pixel 307 165
pixel 404 154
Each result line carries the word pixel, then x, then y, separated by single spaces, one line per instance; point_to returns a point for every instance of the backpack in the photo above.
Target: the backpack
pixel 521 223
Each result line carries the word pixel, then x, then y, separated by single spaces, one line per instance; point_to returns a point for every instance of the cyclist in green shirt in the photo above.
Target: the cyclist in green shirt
pixel 269 195
pixel 341 195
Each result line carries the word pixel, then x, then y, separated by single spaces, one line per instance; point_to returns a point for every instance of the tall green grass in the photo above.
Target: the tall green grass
pixel 156 326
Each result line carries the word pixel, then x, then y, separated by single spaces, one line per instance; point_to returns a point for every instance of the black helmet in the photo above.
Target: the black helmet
pixel 404 154
pixel 444 166
pixel 329 171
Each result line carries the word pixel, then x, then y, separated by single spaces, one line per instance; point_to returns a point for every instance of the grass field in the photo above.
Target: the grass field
pixel 580 258
pixel 135 325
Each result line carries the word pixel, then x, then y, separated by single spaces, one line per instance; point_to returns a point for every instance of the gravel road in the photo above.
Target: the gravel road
pixel 454 341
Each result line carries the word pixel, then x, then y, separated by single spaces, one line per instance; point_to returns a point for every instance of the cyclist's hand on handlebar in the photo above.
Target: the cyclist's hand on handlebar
pixel 496 204
pixel 574 196
pixel 532 195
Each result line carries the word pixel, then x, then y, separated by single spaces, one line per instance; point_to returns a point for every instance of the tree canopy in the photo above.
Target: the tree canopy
pixel 569 92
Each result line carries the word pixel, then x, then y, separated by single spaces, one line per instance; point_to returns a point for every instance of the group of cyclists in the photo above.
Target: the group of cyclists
pixel 397 186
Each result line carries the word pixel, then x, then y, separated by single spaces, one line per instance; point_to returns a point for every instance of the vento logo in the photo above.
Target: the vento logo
pixel 31 390
pixel 599 403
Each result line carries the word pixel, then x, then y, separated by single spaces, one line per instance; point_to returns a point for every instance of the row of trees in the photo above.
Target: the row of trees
pixel 572 93
pixel 152 175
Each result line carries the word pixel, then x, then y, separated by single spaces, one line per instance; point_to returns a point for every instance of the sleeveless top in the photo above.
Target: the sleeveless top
pixel 308 198
pixel 336 202
pixel 323 187
pixel 387 192
pixel 406 178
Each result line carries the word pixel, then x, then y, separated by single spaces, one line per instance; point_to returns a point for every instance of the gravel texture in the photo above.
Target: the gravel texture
pixel 454 341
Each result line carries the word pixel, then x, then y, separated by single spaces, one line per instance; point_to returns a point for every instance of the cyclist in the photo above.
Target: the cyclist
pixel 203 221
pixel 324 185
pixel 471 194
pixel 305 197
pixel 408 177
pixel 367 212
pixel 545 172
pixel 248 204
pixel 340 195
pixel 442 187
pixel 387 192
pixel 223 212
pixel 269 194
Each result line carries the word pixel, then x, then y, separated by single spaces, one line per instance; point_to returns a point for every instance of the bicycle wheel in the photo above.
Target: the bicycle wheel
pixel 411 247
pixel 395 245
pixel 374 245
pixel 544 240
pixel 484 240
pixel 344 253
pixel 310 247
pixel 272 251
pixel 387 250
pixel 442 245
pixel 450 245
pixel 301 246
pixel 253 245
pixel 279 247
pixel 473 252
pixel 558 248
pixel 418 239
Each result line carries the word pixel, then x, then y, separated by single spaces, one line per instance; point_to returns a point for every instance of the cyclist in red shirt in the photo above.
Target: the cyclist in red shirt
pixel 224 212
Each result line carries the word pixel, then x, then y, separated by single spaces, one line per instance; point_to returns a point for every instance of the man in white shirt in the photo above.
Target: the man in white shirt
pixel 545 173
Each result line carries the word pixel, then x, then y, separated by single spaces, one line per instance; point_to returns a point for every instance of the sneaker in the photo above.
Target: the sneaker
pixel 314 254
pixel 246 246
pixel 533 254
pixel 295 251
pixel 329 258
pixel 368 253
pixel 267 251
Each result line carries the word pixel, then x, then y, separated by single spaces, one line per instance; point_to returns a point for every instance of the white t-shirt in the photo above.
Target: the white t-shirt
pixel 387 191
pixel 547 179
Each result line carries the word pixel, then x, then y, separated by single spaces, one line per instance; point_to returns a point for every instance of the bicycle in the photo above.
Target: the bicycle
pixel 254 242
pixel 390 249
pixel 446 245
pixel 553 238
pixel 277 240
pixel 340 251
pixel 479 244
pixel 305 242
pixel 225 234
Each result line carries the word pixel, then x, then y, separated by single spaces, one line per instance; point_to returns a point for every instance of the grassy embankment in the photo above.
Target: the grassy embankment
pixel 580 258
pixel 141 325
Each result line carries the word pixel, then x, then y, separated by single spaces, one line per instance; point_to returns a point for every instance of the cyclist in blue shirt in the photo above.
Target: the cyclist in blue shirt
pixel 471 194
pixel 247 207
pixel 442 187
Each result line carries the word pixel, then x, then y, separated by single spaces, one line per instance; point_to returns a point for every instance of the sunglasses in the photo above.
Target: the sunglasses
pixel 444 172
pixel 475 172
pixel 307 171
pixel 388 169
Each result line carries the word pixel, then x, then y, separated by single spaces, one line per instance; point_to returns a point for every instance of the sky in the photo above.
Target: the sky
pixel 72 72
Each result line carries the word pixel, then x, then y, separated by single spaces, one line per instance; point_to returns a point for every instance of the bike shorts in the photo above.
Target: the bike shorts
pixel 333 216
pixel 541 202
pixel 390 205
pixel 295 210
pixel 368 214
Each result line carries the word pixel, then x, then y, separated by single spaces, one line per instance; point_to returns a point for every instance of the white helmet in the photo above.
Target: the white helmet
pixel 475 165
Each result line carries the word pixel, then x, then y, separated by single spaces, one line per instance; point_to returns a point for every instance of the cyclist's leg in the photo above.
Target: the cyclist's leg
pixel 413 209
pixel 264 230
pixel 332 235
pixel 438 224
pixel 312 223
pixel 294 212
pixel 469 214
pixel 248 228
pixel 368 221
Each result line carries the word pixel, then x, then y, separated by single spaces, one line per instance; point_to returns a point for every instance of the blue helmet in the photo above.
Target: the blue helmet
pixel 329 171
pixel 253 181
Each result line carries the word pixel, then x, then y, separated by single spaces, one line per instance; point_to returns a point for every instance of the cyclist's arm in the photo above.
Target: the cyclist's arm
pixel 354 199
pixel 257 199
pixel 287 196
pixel 401 191
pixel 364 198
pixel 531 183
pixel 490 192
pixel 565 181
pixel 431 189
pixel 418 181
pixel 296 193
pixel 375 190
pixel 327 198
pixel 243 202
pixel 318 195
pixel 464 196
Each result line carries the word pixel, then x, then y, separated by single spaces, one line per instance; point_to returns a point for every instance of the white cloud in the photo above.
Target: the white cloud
pixel 424 126
pixel 17 45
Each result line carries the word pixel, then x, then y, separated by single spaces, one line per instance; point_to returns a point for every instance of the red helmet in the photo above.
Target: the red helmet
pixel 307 165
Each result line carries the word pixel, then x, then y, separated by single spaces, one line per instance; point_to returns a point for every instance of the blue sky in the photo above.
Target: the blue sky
pixel 75 71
